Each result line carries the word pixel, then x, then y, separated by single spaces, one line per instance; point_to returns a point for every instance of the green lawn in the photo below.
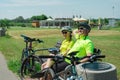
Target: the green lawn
pixel 11 45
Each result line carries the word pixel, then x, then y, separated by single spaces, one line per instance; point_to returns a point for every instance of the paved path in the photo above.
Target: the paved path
pixel 5 74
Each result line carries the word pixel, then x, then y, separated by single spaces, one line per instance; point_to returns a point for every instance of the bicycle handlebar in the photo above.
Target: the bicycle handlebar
pixel 97 56
pixel 58 57
pixel 91 58
pixel 28 39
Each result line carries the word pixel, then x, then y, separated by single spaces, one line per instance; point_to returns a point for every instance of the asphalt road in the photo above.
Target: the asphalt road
pixel 5 73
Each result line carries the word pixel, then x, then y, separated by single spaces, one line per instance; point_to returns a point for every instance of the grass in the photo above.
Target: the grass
pixel 12 44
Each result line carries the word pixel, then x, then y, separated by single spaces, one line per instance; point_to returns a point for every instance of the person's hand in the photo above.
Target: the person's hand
pixel 76 31
pixel 52 54
pixel 43 65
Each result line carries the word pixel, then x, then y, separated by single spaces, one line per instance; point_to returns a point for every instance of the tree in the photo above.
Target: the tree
pixel 34 18
pixel 106 21
pixel 118 23
pixel 19 19
pixel 43 17
pixel 40 17
pixel 4 22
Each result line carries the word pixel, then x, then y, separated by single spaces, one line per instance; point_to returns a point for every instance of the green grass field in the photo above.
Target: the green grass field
pixel 11 45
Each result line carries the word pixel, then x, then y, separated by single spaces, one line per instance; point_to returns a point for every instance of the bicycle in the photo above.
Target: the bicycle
pixel 73 74
pixel 30 64
pixel 28 46
pixel 71 69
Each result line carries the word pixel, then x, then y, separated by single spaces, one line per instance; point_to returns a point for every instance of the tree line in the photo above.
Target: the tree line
pixel 20 21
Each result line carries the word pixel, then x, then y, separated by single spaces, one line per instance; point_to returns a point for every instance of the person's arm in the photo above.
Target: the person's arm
pixel 89 51
pixel 86 59
pixel 66 52
pixel 69 47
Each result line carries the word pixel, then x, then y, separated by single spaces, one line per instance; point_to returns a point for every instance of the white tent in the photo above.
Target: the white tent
pixel 49 19
pixel 82 19
pixel 79 19
pixel 75 19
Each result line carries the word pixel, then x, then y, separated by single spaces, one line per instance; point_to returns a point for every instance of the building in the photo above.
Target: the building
pixel 60 22
pixel 111 21
pixel 35 24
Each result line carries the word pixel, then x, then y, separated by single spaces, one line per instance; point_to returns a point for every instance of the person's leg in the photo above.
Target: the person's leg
pixel 44 64
pixel 48 63
pixel 60 66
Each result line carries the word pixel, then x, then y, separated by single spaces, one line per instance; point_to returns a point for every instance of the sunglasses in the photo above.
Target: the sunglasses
pixel 81 28
pixel 64 32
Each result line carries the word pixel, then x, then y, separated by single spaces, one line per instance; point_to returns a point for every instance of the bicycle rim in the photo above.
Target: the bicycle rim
pixel 30 66
pixel 68 71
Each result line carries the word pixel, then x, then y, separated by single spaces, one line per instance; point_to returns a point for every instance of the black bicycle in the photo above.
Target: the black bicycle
pixel 30 64
pixel 28 50
pixel 70 71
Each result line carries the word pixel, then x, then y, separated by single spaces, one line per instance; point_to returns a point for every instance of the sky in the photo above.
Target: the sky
pixel 11 9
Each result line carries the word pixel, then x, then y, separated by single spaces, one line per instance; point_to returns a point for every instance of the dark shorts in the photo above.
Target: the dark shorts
pixel 60 66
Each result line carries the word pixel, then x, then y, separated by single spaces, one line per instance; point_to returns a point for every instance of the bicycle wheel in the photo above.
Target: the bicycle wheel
pixel 68 72
pixel 48 74
pixel 23 55
pixel 30 66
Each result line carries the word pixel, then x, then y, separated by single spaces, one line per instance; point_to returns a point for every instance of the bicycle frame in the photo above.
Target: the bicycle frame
pixel 28 50
pixel 74 75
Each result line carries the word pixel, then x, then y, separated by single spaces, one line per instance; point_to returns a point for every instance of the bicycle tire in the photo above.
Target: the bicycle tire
pixel 68 72
pixel 48 74
pixel 23 55
pixel 31 65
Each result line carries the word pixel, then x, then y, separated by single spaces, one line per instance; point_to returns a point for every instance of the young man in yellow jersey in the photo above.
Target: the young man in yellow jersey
pixel 83 44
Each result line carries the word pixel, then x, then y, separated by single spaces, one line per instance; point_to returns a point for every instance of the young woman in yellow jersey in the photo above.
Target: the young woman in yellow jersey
pixel 66 45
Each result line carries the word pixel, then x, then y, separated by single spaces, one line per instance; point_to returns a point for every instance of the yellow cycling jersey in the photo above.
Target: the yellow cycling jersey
pixel 84 45
pixel 66 44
